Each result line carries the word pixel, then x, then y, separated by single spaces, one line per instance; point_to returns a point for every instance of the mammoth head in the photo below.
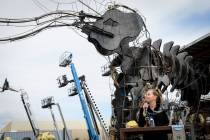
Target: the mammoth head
pixel 114 29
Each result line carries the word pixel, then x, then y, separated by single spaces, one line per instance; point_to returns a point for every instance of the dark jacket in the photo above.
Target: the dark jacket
pixel 160 119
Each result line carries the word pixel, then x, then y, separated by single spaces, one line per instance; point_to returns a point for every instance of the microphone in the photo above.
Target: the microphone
pixel 145 110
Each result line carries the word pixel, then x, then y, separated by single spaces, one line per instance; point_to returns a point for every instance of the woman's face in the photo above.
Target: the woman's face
pixel 149 96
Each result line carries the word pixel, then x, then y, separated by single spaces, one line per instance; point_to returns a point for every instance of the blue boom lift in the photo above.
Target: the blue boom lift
pixel 88 104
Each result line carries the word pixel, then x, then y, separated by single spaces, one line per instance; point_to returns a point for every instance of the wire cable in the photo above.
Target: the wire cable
pixel 56 2
pixel 23 20
pixel 41 6
pixel 89 7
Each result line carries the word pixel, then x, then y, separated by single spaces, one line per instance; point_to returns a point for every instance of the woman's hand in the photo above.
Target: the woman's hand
pixel 142 103
pixel 145 105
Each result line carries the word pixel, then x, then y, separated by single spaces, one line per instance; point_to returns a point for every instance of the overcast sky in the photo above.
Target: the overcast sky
pixel 32 63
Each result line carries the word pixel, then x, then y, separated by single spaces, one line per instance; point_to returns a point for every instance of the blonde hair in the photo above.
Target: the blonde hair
pixel 157 93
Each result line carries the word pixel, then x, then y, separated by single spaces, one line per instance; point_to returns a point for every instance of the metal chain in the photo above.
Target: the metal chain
pixel 96 109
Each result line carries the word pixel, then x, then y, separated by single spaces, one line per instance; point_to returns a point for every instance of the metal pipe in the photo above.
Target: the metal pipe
pixel 29 115
pixel 64 123
pixel 55 124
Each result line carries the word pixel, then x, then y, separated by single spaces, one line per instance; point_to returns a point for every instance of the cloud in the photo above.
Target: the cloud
pixel 178 21
pixel 196 20
pixel 32 64
pixel 11 107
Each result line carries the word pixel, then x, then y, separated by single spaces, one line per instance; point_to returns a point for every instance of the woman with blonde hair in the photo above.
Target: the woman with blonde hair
pixel 150 113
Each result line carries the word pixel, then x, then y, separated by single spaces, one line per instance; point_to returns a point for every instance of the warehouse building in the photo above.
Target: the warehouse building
pixel 18 130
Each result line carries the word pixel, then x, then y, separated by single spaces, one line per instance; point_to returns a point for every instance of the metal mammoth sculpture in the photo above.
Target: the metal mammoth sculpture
pixel 144 64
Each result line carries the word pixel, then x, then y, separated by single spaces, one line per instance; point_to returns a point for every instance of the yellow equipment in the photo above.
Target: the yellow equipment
pixel 132 124
pixel 7 138
pixel 46 136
